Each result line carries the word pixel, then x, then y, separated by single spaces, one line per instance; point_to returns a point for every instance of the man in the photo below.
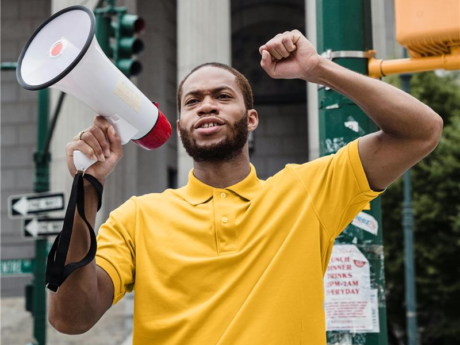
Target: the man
pixel 229 259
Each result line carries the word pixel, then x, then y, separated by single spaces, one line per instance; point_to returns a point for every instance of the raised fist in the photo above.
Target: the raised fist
pixel 289 55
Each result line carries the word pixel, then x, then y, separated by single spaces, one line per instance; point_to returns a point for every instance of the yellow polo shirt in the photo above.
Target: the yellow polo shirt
pixel 241 265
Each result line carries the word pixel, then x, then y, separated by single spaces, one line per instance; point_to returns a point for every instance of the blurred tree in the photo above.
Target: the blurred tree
pixel 436 203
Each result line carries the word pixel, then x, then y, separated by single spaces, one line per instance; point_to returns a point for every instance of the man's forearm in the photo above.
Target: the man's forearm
pixel 71 308
pixel 394 111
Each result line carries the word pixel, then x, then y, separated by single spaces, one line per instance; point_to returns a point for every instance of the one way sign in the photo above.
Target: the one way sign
pixel 36 227
pixel 22 206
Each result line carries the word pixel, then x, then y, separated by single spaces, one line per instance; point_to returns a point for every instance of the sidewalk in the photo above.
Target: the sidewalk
pixel 16 327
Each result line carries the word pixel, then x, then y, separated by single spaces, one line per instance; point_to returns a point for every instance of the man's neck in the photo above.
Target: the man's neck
pixel 222 174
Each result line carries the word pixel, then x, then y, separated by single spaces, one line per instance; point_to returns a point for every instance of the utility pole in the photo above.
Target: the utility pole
pixel 41 185
pixel 408 226
pixel 344 33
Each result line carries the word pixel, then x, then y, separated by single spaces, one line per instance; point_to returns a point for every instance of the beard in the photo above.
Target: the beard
pixel 227 149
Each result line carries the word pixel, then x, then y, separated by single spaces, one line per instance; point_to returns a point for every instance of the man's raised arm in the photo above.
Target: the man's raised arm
pixel 409 129
pixel 88 292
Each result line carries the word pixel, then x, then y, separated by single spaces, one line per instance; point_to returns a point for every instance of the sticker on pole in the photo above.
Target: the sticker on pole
pixel 349 303
pixel 366 222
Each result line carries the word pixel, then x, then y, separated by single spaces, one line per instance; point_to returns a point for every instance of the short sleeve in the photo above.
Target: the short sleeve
pixel 338 187
pixel 116 248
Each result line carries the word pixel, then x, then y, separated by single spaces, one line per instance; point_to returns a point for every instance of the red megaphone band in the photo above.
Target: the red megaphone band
pixel 158 135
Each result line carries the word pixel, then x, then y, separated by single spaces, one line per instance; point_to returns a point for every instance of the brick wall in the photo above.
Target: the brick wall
pixel 19 18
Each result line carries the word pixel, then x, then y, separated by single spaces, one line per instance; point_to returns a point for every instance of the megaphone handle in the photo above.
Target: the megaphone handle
pixel 82 162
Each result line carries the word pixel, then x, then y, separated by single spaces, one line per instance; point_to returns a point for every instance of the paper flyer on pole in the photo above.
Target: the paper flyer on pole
pixel 350 304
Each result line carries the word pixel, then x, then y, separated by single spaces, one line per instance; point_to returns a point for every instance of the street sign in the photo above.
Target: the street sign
pixel 17 266
pixel 22 206
pixel 36 227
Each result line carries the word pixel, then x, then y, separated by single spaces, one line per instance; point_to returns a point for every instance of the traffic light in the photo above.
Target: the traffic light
pixel 116 32
pixel 126 44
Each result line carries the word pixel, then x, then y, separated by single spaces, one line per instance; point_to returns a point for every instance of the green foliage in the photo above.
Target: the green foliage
pixel 436 204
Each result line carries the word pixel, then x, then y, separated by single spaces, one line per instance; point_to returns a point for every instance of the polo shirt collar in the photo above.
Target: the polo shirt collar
pixel 197 192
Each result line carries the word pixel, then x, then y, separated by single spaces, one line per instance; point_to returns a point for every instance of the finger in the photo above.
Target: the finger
pixel 102 123
pixel 261 49
pixel 278 46
pixel 102 138
pixel 270 47
pixel 82 147
pixel 79 134
pixel 273 52
pixel 90 140
pixel 296 34
pixel 288 43
pixel 281 49
pixel 115 142
pixel 266 62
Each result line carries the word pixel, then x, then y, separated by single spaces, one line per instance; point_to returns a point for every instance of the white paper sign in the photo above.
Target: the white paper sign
pixel 366 222
pixel 348 297
pixel 375 312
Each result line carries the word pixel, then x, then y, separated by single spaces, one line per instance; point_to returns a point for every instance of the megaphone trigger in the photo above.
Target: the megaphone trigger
pixel 81 162
pixel 125 130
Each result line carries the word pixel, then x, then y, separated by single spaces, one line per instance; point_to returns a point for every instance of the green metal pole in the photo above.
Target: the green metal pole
pixel 41 185
pixel 103 29
pixel 346 26
pixel 42 158
pixel 39 293
pixel 408 225
pixel 9 66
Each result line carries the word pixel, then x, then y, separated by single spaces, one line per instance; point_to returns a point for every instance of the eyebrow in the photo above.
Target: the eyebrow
pixel 214 90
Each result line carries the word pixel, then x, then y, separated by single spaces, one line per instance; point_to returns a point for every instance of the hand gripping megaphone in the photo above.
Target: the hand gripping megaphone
pixel 63 53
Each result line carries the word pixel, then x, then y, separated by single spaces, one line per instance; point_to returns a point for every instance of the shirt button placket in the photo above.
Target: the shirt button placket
pixel 225 231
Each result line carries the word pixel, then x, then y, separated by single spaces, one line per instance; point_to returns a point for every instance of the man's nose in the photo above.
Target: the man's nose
pixel 208 106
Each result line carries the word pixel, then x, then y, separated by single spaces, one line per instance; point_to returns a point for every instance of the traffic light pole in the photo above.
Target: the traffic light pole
pixel 41 185
pixel 344 34
pixel 408 226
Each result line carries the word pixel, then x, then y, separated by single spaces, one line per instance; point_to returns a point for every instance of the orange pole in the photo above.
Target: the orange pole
pixel 380 68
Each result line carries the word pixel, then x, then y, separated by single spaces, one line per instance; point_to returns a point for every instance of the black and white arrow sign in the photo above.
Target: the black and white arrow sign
pixel 36 227
pixel 22 206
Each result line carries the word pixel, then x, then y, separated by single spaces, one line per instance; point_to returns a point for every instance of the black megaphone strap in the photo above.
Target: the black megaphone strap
pixel 56 270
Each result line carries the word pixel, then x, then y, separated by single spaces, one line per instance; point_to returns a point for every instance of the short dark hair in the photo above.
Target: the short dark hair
pixel 241 81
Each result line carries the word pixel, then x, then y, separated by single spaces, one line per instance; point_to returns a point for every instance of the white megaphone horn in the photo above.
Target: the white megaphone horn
pixel 63 53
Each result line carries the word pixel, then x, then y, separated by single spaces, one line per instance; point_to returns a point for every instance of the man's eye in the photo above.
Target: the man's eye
pixel 190 101
pixel 223 96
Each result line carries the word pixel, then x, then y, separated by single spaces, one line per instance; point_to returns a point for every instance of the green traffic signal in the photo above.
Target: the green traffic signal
pixel 129 67
pixel 131 23
pixel 128 46
pixel 125 44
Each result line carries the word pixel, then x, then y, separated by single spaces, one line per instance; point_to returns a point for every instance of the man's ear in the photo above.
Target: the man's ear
pixel 178 128
pixel 253 120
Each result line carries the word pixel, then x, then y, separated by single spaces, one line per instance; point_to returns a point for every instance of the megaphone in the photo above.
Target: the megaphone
pixel 63 53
